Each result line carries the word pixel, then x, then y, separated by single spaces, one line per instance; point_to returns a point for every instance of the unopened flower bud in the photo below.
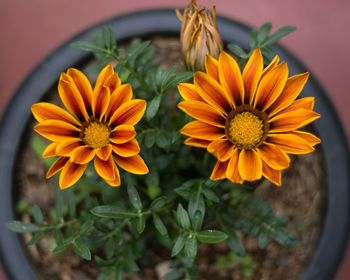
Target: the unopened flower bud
pixel 199 35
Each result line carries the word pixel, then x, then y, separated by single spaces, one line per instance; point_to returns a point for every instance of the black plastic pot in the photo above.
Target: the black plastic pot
pixel 15 121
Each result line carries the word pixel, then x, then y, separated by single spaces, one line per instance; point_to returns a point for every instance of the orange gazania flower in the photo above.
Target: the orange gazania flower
pixel 248 120
pixel 97 126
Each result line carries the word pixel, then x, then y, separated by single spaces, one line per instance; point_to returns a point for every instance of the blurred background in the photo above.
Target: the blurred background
pixel 30 30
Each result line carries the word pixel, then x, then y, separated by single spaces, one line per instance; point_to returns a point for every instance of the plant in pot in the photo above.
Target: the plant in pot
pixel 193 210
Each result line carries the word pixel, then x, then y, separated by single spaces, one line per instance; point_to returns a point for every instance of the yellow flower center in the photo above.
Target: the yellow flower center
pixel 96 135
pixel 246 130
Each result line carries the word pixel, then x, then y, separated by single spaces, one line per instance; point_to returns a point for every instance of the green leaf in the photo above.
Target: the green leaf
pixel 114 212
pixel 176 79
pixel 141 224
pixel 173 275
pixel 64 245
pixel 263 240
pixel 211 236
pixel 159 225
pixel 110 247
pixel 178 245
pixel 162 140
pixel 285 237
pixel 236 244
pixel 82 250
pixel 196 203
pixel 210 195
pixel 237 50
pixel 191 247
pixel 197 220
pixel 88 47
pixel 182 217
pixel 134 197
pixel 158 203
pixel 150 139
pixel 87 225
pixel 109 38
pixel 282 32
pixel 264 31
pixel 37 214
pixel 253 39
pixel 18 226
pixel 153 107
pixel 35 237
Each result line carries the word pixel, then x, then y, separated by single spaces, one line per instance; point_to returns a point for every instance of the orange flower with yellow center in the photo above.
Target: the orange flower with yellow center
pixel 97 126
pixel 250 121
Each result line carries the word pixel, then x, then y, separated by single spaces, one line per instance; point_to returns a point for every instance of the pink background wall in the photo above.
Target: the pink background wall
pixel 30 30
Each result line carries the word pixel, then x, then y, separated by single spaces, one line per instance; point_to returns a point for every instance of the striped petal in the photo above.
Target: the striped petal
pixel 45 111
pixel 273 156
pixel 188 92
pixel 201 130
pixel 211 67
pixel 116 181
pixel 199 143
pixel 122 134
pixel 129 113
pixel 203 112
pixel 212 93
pixel 272 65
pixel 291 143
pixel 66 147
pixel 100 103
pixel 219 171
pixel 292 120
pixel 306 103
pixel 135 164
pixel 56 130
pixel 231 78
pixel 291 91
pixel 222 149
pixel 71 97
pixel 127 149
pixel 105 168
pixel 232 172
pixel 56 166
pixel 309 137
pixel 70 174
pixel 105 152
pixel 107 77
pixel 249 165
pixel 271 86
pixel 252 75
pixel 82 155
pixel 120 96
pixel 271 174
pixel 50 151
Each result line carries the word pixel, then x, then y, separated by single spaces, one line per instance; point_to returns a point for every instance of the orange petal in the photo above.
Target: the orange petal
pixel 271 86
pixel 273 156
pixel 105 169
pixel 50 151
pixel 120 96
pixel 116 181
pixel 232 169
pixel 307 103
pixel 271 174
pixel 272 65
pixel 201 130
pixel 211 66
pixel 222 149
pixel 70 174
pixel 45 111
pixel 212 93
pixel 56 130
pixel 309 137
pixel 127 149
pixel 219 171
pixel 129 113
pixel 231 78
pixel 100 102
pixel 82 155
pixel 135 164
pixel 56 166
pixel 249 165
pixel 292 120
pixel 105 152
pixel 71 97
pixel 107 77
pixel 291 143
pixel 66 147
pixel 291 91
pixel 83 85
pixel 199 143
pixel 188 92
pixel 252 74
pixel 122 134
pixel 202 112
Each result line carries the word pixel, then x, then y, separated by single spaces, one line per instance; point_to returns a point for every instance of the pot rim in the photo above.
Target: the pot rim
pixel 334 235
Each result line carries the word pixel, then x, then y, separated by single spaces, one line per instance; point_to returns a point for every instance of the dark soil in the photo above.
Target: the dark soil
pixel 301 199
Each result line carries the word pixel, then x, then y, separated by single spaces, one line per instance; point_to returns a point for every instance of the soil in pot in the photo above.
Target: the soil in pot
pixel 301 199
